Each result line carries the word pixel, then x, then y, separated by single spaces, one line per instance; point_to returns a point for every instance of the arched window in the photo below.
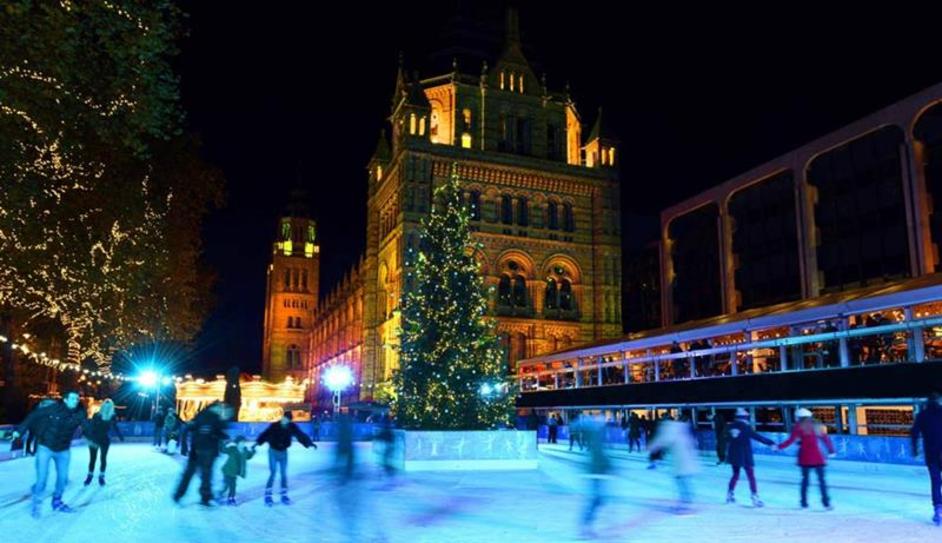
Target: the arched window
pixel 474 205
pixel 422 126
pixel 304 279
pixel 466 140
pixel 552 215
pixel 293 357
pixel 503 77
pixel 412 125
pixel 466 117
pixel 565 295
pixel 523 215
pixel 520 86
pixel 551 296
pixel 506 209
pixel 569 223
pixel 520 291
pixel 287 279
pixel 504 294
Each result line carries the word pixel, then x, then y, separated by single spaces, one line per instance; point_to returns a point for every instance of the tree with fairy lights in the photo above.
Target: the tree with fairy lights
pixel 102 195
pixel 451 374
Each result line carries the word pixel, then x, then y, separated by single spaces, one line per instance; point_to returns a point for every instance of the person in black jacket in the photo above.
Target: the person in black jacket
pixel 634 432
pixel 158 418
pixel 928 425
pixel 278 436
pixel 739 454
pixel 719 430
pixel 29 444
pixel 55 427
pixel 207 430
pixel 99 437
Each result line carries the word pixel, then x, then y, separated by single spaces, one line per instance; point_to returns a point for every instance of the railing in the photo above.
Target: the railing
pixel 737 358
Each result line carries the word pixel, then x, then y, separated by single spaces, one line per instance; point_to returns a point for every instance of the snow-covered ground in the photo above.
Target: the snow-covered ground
pixel 872 503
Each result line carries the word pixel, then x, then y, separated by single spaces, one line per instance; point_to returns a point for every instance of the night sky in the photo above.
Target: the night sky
pixel 695 96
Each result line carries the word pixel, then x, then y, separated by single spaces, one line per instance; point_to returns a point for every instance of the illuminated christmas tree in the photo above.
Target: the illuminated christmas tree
pixel 451 375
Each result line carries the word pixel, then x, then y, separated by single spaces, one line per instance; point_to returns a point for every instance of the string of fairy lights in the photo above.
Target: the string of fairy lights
pixel 25 351
pixel 42 358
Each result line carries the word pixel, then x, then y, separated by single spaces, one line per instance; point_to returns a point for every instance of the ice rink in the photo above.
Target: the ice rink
pixel 872 503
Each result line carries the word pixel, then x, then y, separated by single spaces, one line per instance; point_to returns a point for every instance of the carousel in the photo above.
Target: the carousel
pixel 261 401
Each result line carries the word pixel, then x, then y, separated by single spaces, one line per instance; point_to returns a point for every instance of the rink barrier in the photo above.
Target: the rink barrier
pixel 143 432
pixel 877 449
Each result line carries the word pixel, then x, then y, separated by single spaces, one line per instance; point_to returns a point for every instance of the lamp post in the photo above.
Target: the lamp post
pixel 337 379
pixel 151 380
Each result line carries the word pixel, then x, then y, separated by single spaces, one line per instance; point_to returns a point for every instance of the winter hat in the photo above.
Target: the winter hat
pixel 803 414
pixel 742 413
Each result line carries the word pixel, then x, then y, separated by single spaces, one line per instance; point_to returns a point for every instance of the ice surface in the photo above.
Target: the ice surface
pixel 872 503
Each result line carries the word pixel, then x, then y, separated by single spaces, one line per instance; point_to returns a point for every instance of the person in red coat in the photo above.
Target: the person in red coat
pixel 807 433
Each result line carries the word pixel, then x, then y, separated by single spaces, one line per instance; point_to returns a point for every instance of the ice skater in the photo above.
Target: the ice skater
pixel 552 428
pixel 807 433
pixel 208 430
pixel 719 430
pixel 674 437
pixel 575 435
pixel 29 444
pixel 99 440
pixel 54 425
pixel 598 467
pixel 172 426
pixel 278 436
pixel 928 425
pixel 634 433
pixel 740 457
pixel 159 418
pixel 237 457
pixel 387 437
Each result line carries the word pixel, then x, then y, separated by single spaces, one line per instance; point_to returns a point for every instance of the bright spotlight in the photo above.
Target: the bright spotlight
pixel 148 379
pixel 485 389
pixel 338 378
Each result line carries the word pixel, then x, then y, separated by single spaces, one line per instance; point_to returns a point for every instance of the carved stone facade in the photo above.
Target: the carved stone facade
pixel 544 204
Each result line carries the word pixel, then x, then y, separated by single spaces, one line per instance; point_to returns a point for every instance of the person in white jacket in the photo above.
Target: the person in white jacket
pixel 674 438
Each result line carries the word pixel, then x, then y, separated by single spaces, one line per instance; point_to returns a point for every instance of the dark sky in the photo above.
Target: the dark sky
pixel 696 97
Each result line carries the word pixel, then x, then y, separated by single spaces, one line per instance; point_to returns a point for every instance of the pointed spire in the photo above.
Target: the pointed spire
pixel 512 24
pixel 401 82
pixel 382 152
